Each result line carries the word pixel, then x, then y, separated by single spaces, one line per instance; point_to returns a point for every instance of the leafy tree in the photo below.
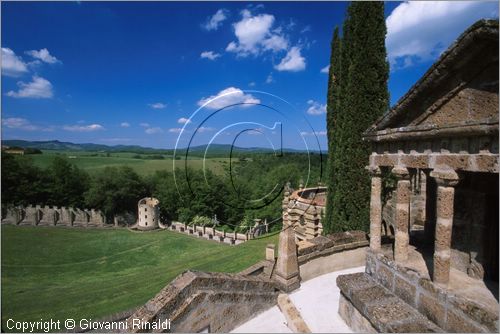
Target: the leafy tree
pixel 67 183
pixel 116 190
pixel 356 98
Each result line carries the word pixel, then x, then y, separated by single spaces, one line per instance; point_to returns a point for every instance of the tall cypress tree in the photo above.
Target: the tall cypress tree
pixel 362 97
pixel 332 107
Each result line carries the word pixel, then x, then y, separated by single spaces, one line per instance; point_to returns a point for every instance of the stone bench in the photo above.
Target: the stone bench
pixel 367 306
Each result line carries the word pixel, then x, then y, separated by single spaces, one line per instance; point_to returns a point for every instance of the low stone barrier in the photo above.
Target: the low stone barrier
pixel 195 302
pixel 337 251
pixel 211 233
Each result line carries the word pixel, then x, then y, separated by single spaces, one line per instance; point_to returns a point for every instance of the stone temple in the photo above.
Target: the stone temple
pixel 440 144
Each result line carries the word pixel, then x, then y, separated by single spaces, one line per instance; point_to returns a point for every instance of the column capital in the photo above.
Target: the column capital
pixel 400 172
pixel 374 170
pixel 445 176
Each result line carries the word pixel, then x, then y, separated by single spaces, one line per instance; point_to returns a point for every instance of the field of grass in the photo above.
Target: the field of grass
pixel 67 273
pixel 94 161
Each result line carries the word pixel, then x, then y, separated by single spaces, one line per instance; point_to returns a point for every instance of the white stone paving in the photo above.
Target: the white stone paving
pixel 318 303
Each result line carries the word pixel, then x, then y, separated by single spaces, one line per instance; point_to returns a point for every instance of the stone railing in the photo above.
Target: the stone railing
pixel 53 216
pixel 337 251
pixel 210 233
pixel 198 301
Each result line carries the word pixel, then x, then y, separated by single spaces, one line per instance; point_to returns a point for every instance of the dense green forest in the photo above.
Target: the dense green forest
pixel 251 187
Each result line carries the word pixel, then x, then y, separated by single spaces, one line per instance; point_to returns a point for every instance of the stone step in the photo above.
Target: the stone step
pixel 294 319
pixel 367 306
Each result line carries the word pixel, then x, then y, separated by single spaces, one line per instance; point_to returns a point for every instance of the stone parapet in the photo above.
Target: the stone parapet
pixel 449 311
pixel 378 308
pixel 197 301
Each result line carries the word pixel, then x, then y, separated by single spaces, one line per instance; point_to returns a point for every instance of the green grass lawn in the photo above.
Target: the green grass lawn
pixel 95 161
pixel 63 273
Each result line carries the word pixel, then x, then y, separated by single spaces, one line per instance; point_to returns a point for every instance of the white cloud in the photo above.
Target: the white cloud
pixel 325 69
pixel 18 123
pixel 154 130
pixel 316 108
pixel 254 35
pixel 202 129
pixel 125 125
pixel 12 65
pixel 292 62
pixel 251 84
pixel 83 128
pixel 215 21
pixel 421 30
pixel 269 78
pixel 43 55
pixel 175 130
pixel 157 105
pixel 183 120
pixel 144 125
pixel 209 55
pixel 227 97
pixel 313 133
pixel 38 88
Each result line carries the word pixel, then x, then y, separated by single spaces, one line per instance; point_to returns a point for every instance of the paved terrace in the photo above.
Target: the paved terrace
pixel 317 300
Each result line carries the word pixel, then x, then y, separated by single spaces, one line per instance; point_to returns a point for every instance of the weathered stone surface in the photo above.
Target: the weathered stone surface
pixel 353 318
pixel 293 317
pixel 287 265
pixel 456 322
pixel 432 309
pixel 404 290
pixel 386 277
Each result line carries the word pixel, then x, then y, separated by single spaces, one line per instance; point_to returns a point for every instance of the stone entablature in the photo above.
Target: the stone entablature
pixel 53 216
pixel 212 302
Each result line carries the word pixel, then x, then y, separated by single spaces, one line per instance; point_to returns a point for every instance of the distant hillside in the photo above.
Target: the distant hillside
pixel 215 149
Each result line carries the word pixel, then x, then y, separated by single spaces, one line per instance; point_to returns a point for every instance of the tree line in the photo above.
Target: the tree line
pixel 253 189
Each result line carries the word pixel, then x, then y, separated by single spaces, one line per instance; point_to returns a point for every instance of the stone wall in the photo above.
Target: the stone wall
pixel 213 302
pixel 53 216
pixel 450 312
pixel 211 233
pixel 337 251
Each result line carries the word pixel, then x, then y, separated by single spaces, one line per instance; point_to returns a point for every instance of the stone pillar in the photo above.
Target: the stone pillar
pixel 287 266
pixel 446 179
pixel 402 214
pixel 375 208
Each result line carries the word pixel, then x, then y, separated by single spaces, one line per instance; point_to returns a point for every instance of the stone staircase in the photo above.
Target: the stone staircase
pixel 367 306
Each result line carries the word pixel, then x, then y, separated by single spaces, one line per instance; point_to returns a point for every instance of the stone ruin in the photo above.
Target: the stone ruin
pixel 433 258
pixel 53 216
pixel 304 208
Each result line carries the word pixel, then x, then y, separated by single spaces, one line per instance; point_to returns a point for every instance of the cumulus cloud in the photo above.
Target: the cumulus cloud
pixel 43 55
pixel 202 129
pixel 144 125
pixel 325 69
pixel 215 21
pixel 254 34
pixel 316 108
pixel 157 105
pixel 209 55
pixel 420 30
pixel 83 128
pixel 39 88
pixel 19 123
pixel 292 62
pixel 12 65
pixel 226 97
pixel 183 120
pixel 125 125
pixel 154 130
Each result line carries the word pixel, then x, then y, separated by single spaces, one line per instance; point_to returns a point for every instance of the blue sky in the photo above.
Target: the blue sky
pixel 135 72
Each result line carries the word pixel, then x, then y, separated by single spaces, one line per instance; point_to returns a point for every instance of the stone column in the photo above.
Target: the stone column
pixel 402 214
pixel 375 208
pixel 287 265
pixel 446 179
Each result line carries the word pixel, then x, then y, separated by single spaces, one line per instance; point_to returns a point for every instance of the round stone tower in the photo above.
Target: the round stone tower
pixel 148 214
